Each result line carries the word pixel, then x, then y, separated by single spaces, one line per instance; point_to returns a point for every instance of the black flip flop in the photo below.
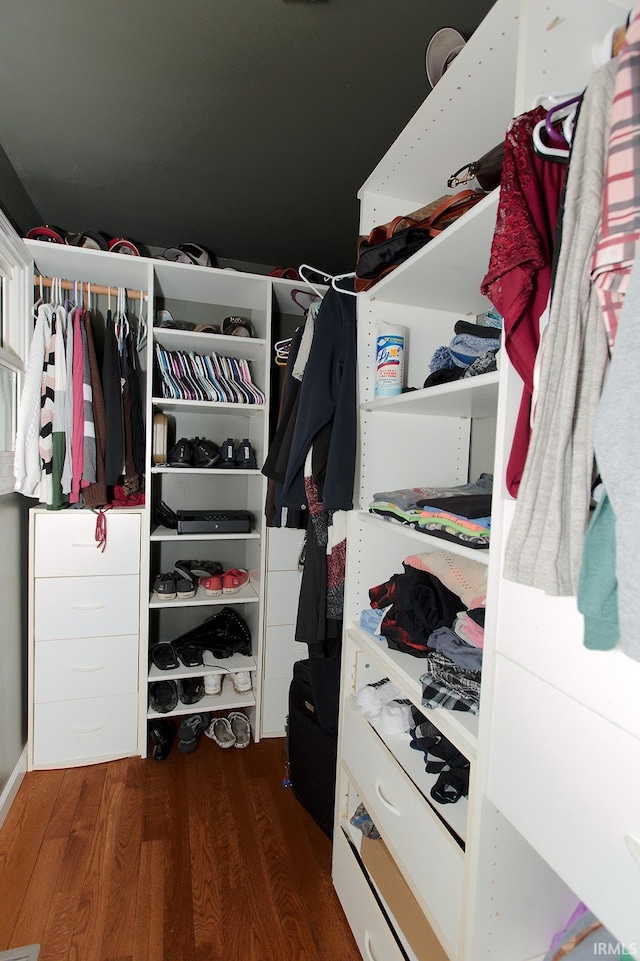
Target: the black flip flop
pixel 164 657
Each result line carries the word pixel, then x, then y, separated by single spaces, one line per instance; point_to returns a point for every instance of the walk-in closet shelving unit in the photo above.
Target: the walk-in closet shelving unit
pixel 474 876
pixel 87 607
pixel 202 296
pixel 206 296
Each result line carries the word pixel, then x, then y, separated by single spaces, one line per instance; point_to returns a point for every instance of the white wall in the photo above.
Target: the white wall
pixel 13 659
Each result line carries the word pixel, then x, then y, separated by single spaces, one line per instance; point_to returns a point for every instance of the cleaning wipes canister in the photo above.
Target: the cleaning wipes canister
pixel 389 361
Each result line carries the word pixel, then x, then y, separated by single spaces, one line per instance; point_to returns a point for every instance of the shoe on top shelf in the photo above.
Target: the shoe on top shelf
pixel 245 456
pixel 234 580
pixel 205 452
pixel 227 454
pixel 181 454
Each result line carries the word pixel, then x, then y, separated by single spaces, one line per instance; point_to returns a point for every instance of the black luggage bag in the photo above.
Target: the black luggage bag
pixel 311 752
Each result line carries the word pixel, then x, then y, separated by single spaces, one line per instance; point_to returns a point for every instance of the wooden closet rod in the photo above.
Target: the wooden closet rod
pixel 92 288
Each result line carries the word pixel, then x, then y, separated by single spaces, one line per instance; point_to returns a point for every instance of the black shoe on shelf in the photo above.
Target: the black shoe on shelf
pixel 165 517
pixel 205 452
pixel 245 456
pixel 163 696
pixel 190 730
pixel 227 454
pixel 182 454
pixel 162 734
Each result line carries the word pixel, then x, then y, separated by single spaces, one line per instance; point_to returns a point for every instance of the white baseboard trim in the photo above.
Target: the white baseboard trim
pixel 12 785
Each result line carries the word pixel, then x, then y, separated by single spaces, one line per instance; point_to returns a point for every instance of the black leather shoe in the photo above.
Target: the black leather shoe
pixel 162 734
pixel 181 454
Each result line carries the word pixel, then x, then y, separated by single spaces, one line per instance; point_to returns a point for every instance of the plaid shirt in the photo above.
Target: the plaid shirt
pixel 447 685
pixel 615 248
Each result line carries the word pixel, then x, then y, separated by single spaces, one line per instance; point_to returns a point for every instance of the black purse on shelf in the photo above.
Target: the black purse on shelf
pixel 487 170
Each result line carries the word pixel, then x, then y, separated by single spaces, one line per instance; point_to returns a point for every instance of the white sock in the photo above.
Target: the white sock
pixel 372 697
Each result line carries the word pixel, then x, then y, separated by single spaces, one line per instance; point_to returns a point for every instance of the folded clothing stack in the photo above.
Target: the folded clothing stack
pixel 472 351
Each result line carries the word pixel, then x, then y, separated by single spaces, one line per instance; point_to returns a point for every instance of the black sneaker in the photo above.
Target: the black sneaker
pixel 182 454
pixel 190 730
pixel 227 454
pixel 205 452
pixel 245 456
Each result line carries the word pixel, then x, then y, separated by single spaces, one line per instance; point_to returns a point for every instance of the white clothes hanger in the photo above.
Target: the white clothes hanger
pixel 343 290
pixel 141 334
pixel 544 149
pixel 326 277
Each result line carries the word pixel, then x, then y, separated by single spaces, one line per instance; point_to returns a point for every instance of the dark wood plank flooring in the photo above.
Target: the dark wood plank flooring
pixel 202 857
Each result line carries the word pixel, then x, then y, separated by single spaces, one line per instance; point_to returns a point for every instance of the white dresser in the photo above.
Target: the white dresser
pixel 84 629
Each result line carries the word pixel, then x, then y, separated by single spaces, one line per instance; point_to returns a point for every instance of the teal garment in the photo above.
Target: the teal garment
pixel 598 584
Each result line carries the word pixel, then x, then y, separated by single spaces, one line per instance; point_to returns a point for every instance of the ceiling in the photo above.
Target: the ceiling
pixel 247 126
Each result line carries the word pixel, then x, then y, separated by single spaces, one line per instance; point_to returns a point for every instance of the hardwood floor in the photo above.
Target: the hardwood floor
pixel 202 857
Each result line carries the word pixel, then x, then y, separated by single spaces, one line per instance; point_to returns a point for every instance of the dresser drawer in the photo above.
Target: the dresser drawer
pixel 88 667
pixel 432 861
pixel 569 781
pixel 68 607
pixel 65 544
pixel 366 920
pixel 85 731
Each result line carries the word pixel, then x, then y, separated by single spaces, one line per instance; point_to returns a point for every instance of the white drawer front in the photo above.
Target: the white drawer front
pixel 569 781
pixel 67 607
pixel 282 651
pixel 88 667
pixel 84 731
pixel 65 544
pixel 432 859
pixel 283 590
pixel 369 926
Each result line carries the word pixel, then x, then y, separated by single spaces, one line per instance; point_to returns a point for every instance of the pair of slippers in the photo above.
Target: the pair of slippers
pixel 165 695
pixel 169 657
pixel 233 730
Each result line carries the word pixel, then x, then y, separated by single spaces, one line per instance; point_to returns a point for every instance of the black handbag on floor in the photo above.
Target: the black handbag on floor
pixel 310 751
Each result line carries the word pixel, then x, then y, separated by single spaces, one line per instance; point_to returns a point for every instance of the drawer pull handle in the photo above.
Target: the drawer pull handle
pixel 88 607
pixel 634 847
pixel 367 945
pixel 86 670
pixel 84 544
pixel 87 730
pixel 391 807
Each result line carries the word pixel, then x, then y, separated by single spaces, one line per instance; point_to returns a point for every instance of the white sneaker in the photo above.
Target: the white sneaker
pixel 241 681
pixel 213 683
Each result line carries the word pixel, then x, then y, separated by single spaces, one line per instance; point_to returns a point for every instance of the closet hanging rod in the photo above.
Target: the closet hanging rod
pixel 91 288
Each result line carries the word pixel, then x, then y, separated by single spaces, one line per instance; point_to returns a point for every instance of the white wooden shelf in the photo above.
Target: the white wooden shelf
pixel 428 541
pixel 227 701
pixel 222 472
pixel 227 665
pixel 247 595
pixel 446 273
pixel 206 407
pixel 166 534
pixel 247 348
pixel 469 397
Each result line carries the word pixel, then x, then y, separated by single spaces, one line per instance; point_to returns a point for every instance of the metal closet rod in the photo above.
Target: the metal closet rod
pixel 90 288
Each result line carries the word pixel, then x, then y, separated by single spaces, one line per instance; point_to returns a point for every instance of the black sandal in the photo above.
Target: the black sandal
pixel 164 657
